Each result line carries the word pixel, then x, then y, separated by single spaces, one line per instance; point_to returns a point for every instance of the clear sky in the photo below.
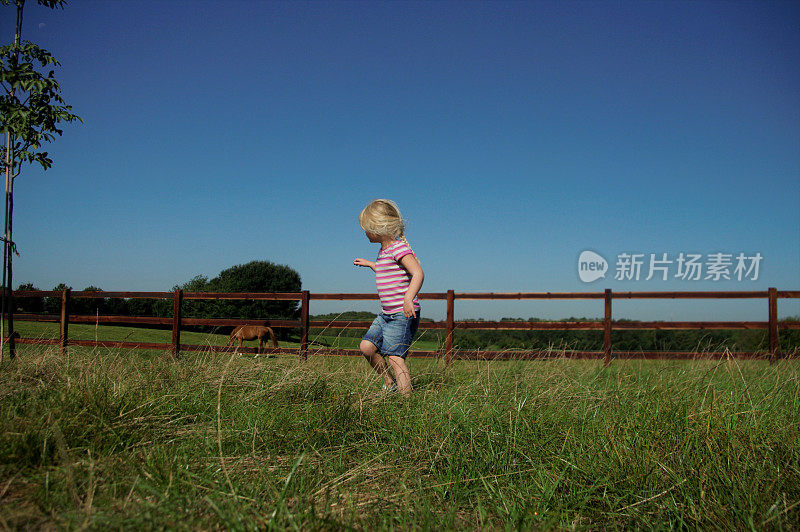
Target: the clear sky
pixel 513 135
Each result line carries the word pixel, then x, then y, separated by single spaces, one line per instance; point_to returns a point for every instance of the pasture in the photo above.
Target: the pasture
pixel 110 438
pixel 426 340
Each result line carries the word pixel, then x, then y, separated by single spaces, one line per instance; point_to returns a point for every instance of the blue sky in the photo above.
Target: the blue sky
pixel 513 135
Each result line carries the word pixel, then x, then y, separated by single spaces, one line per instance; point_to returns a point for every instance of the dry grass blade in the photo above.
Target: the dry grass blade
pixel 7 485
pixel 219 423
pixel 347 475
pixel 654 497
pixel 785 511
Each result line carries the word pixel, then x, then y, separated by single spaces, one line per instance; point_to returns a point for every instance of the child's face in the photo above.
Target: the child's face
pixel 372 237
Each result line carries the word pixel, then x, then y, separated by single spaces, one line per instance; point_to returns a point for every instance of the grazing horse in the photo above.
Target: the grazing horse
pixel 251 332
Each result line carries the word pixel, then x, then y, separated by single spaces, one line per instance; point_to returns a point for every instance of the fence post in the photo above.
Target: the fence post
pixel 176 323
pixel 64 333
pixel 607 329
pixel 774 345
pixel 304 300
pixel 8 301
pixel 448 343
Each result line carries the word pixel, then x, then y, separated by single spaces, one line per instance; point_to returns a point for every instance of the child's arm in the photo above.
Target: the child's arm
pixel 364 262
pixel 411 265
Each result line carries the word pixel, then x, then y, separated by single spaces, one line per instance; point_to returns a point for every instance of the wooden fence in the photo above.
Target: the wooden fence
pixel 447 351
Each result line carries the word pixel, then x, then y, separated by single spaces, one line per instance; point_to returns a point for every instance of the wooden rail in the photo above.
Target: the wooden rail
pixel 177 321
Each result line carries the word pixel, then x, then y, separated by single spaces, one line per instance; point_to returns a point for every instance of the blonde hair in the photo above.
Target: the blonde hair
pixel 382 217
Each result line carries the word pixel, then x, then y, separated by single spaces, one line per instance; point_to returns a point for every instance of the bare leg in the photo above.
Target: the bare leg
pixel 370 352
pixel 401 373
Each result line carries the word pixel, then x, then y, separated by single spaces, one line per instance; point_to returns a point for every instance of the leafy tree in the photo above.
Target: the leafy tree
pixel 142 307
pixel 195 308
pixel 255 276
pixel 31 109
pixel 29 304
pixel 198 283
pixel 88 306
pixel 117 306
pixel 52 305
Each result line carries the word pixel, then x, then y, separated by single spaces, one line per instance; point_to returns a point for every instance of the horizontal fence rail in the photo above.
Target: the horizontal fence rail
pixel 448 352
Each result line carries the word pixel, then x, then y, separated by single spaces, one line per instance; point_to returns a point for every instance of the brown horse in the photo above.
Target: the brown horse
pixel 251 332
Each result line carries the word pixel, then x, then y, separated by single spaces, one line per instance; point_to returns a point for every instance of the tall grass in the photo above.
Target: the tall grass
pixel 105 438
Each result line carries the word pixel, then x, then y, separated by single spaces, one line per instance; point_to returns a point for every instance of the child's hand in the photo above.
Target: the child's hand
pixel 365 263
pixel 408 308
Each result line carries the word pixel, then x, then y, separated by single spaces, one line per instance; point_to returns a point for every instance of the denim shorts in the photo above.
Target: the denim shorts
pixel 392 333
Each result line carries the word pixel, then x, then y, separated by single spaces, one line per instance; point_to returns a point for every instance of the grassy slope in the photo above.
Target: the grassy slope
pixel 132 439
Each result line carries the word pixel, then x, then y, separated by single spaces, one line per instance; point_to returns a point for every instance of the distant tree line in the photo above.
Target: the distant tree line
pixel 255 276
pixel 583 340
pixel 635 340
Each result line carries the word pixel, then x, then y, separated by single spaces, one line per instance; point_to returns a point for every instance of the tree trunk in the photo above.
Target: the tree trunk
pixel 7 304
pixel 4 296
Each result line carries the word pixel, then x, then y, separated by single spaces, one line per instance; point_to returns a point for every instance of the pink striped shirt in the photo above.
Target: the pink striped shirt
pixel 391 279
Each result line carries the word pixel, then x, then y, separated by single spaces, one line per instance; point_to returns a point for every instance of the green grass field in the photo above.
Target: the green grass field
pixel 426 340
pixel 132 439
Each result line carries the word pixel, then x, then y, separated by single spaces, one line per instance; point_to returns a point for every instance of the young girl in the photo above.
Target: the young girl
pixel 398 277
